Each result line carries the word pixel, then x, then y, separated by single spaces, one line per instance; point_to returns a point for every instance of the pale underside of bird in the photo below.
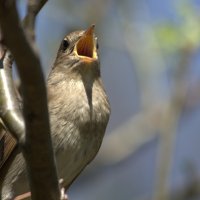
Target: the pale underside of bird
pixel 79 112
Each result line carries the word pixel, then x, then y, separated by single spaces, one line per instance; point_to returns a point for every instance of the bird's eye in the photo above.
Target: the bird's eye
pixel 65 44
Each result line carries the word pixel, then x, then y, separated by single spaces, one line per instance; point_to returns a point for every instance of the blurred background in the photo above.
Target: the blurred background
pixel 150 62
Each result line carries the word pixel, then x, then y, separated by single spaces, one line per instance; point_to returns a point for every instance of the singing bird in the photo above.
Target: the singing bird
pixel 79 111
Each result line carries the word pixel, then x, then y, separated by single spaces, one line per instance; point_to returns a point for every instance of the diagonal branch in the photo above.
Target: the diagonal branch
pixel 37 148
pixel 33 9
pixel 9 104
pixel 169 125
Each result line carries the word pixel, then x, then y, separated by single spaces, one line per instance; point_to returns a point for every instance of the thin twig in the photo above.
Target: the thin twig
pixel 33 9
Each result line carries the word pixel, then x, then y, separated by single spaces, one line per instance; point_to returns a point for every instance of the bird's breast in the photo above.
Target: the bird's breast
pixel 78 126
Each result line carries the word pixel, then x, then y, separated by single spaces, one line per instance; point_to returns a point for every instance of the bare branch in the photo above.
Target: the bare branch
pixel 9 105
pixel 10 110
pixel 37 148
pixel 169 127
pixel 33 9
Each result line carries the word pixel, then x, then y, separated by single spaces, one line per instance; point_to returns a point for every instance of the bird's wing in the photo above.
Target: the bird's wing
pixel 7 145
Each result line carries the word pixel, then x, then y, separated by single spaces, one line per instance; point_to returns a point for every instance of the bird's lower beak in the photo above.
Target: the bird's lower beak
pixel 86 47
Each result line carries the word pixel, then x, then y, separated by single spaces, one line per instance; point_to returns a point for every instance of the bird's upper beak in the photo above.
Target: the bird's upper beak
pixel 86 46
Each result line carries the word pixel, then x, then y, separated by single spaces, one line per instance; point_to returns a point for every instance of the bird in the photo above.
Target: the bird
pixel 79 112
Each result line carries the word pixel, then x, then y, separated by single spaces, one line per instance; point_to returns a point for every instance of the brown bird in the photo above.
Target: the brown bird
pixel 79 112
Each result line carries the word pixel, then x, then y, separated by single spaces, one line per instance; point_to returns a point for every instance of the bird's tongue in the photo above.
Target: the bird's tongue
pixel 85 45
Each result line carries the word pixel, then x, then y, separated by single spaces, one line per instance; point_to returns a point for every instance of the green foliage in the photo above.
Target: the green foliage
pixel 168 36
pixel 185 32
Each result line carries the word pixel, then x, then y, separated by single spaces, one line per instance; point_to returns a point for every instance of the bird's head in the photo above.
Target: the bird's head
pixel 78 51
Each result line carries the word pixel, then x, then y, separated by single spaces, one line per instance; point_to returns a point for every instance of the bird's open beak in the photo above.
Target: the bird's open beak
pixel 86 46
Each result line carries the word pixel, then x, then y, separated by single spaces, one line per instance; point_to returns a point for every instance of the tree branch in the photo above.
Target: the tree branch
pixel 33 9
pixel 169 126
pixel 37 148
pixel 9 104
pixel 10 110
